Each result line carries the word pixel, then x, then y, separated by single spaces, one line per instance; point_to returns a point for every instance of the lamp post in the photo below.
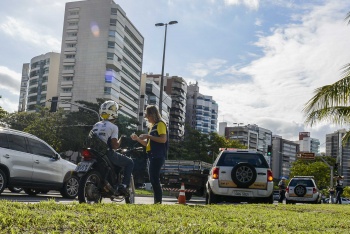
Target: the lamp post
pixel 162 75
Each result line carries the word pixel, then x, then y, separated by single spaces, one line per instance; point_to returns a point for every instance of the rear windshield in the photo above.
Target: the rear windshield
pixel 231 159
pixel 306 183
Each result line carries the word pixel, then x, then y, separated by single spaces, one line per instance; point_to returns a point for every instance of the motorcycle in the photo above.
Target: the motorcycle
pixel 99 178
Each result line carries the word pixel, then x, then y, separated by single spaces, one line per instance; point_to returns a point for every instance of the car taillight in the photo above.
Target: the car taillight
pixel 314 190
pixel 269 175
pixel 287 189
pixel 86 154
pixel 215 173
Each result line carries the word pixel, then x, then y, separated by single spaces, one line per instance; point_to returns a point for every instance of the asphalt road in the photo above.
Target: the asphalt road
pixel 54 195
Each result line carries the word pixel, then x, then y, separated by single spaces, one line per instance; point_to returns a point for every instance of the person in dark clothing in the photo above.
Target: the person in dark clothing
pixel 339 189
pixel 156 142
pixel 282 188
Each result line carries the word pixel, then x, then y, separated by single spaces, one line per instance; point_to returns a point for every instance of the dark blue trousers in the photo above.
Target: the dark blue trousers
pixel 154 166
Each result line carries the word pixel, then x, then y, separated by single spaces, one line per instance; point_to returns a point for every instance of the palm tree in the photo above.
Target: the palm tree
pixel 332 102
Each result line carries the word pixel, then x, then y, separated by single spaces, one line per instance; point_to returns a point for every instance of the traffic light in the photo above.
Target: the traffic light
pixel 269 150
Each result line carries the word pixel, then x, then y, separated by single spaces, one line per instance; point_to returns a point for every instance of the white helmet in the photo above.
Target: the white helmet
pixel 109 110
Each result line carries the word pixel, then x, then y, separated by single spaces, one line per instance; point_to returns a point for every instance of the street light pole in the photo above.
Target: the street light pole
pixel 162 75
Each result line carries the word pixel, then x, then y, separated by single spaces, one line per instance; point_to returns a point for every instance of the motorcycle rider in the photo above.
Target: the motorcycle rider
pixel 107 131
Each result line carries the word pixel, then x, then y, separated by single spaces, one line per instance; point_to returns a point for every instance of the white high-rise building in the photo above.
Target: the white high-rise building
pixel 101 56
pixel 22 103
pixel 43 78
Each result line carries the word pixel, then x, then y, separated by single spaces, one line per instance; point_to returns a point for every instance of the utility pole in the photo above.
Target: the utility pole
pixel 332 173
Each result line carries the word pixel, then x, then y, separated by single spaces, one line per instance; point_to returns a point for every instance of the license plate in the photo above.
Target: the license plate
pixel 242 194
pixel 83 166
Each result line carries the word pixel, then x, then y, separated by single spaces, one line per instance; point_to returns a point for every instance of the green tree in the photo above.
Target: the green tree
pixel 316 168
pixel 331 102
pixel 3 113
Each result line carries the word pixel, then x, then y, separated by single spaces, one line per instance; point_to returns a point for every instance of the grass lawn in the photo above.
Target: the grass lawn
pixel 50 217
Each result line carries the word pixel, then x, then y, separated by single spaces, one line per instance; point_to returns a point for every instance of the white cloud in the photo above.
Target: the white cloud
pixel 20 30
pixel 10 80
pixel 252 4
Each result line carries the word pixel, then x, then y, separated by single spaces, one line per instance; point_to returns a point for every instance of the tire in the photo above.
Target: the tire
pixel 15 189
pixel 31 192
pixel 131 198
pixel 88 191
pixel 288 202
pixel 3 181
pixel 211 198
pixel 300 190
pixel 269 200
pixel 70 188
pixel 188 196
pixel 243 175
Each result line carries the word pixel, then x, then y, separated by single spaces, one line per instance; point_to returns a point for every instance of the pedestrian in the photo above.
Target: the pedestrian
pixel 156 143
pixel 282 188
pixel 107 131
pixel 339 189
pixel 331 195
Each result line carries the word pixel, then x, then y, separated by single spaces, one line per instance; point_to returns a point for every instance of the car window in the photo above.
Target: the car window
pixel 306 183
pixel 3 141
pixel 231 159
pixel 39 148
pixel 17 143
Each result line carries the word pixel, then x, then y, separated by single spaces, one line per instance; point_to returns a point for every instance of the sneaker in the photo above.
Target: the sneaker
pixel 123 190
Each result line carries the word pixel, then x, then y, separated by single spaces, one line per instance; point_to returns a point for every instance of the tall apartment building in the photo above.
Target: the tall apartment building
pixel 251 135
pixel 283 155
pixel 308 144
pixel 43 78
pixel 150 93
pixel 176 88
pixel 336 149
pixel 22 103
pixel 201 110
pixel 101 56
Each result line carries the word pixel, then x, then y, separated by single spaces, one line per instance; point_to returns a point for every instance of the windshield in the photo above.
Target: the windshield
pixel 232 159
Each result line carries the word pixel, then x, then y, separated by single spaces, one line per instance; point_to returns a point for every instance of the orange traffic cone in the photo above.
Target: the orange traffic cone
pixel 182 197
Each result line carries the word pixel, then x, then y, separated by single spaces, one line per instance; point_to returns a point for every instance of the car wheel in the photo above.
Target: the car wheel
pixel 70 188
pixel 15 189
pixel 300 190
pixel 3 181
pixel 31 192
pixel 269 199
pixel 243 175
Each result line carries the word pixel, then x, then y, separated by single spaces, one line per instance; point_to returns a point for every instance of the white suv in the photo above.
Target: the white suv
pixel 240 175
pixel 30 163
pixel 302 189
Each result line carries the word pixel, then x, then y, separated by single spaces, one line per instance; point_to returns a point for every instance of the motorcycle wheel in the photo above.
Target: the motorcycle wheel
pixel 131 198
pixel 88 191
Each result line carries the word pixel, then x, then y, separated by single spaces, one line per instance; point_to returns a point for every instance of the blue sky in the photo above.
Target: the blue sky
pixel 261 60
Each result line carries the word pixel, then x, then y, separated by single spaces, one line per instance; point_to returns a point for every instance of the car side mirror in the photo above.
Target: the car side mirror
pixel 56 156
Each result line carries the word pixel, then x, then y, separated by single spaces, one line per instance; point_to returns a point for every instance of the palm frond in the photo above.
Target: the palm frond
pixel 348 18
pixel 338 115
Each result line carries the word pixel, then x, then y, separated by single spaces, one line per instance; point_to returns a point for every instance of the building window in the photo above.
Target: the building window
pixel 71 45
pixel 72 23
pixel 114 11
pixel 74 13
pixel 66 90
pixel 113 22
pixel 72 34
pixel 68 56
pixel 68 67
pixel 68 78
